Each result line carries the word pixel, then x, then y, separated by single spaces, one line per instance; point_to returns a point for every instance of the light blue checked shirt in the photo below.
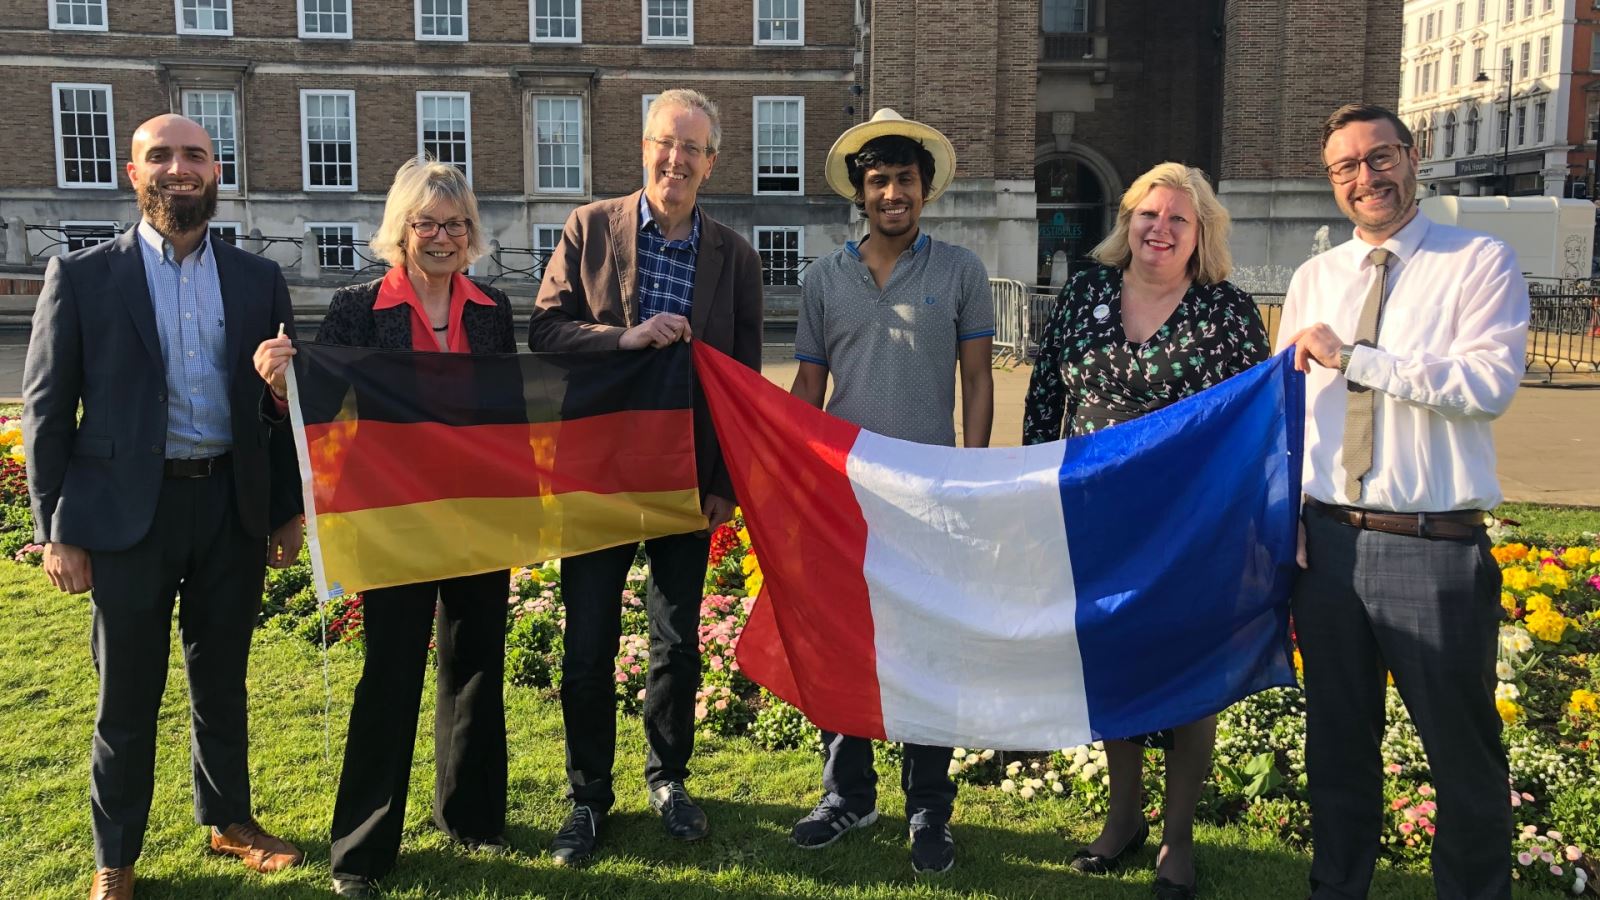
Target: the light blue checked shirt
pixel 666 268
pixel 187 297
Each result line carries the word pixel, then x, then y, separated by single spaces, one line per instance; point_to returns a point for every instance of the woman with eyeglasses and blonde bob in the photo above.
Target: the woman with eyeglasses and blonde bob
pixel 431 233
pixel 1154 322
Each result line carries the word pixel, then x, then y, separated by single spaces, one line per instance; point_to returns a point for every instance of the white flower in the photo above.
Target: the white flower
pixel 1051 775
pixel 1503 671
pixel 958 753
pixel 1035 783
pixel 1080 757
pixel 987 754
pixel 955 768
pixel 1090 770
pixel 1505 690
pixel 1057 786
pixel 1013 768
pixel 1008 785
pixel 1026 793
pixel 1105 780
pixel 972 759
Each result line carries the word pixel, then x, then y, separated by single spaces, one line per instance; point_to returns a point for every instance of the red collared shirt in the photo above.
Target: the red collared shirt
pixel 396 289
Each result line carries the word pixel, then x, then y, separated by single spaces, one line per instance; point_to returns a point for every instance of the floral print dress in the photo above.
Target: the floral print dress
pixel 1092 376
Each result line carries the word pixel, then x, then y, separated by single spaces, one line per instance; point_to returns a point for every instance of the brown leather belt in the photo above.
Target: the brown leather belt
pixel 196 468
pixel 1456 525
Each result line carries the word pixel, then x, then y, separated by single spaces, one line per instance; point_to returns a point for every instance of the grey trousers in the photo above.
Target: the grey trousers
pixel 1427 611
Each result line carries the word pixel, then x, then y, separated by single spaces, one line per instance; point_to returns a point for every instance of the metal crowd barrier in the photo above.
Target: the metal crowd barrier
pixel 1010 320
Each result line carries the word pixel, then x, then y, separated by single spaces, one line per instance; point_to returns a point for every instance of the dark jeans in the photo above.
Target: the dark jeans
pixel 469 722
pixel 195 551
pixel 1427 611
pixel 591 588
pixel 852 783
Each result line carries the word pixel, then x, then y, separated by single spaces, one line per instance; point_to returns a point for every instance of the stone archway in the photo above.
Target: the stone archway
pixel 1076 196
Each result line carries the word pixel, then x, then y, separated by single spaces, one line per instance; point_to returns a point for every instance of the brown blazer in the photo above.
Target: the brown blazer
pixel 590 295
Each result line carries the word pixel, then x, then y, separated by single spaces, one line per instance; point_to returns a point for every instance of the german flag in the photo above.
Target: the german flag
pixel 421 466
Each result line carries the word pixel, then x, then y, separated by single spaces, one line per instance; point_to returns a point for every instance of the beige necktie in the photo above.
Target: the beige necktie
pixel 1361 402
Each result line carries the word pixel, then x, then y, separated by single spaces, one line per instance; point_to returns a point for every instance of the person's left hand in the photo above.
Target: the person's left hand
pixel 283 546
pixel 271 360
pixel 717 510
pixel 1316 342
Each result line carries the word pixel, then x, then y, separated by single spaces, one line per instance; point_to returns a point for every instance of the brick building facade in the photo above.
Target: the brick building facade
pixel 1054 106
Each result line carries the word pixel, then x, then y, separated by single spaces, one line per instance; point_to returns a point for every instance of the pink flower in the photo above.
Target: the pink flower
pixel 1423 821
pixel 1399 802
pixel 1525 858
pixel 722 704
pixel 1407 828
pixel 622 678
pixel 1515 800
pixel 1546 857
pixel 626 660
pixel 1573 854
pixel 1430 829
pixel 640 695
pixel 700 711
pixel 1595 582
pixel 1424 790
pixel 1556 871
pixel 634 669
pixel 716 663
pixel 1393 768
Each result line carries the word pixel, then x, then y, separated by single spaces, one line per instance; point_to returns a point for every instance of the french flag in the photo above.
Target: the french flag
pixel 1017 598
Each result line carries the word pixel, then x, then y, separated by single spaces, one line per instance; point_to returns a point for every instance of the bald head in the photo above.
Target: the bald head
pixel 170 130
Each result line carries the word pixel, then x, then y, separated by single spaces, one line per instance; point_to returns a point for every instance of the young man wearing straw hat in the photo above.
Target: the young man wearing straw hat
pixel 891 317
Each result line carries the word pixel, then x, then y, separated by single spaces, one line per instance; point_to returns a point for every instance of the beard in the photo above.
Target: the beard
pixel 171 214
pixel 1405 193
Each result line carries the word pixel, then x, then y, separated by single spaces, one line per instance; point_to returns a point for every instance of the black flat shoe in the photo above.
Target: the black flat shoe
pixel 1097 864
pixel 1167 889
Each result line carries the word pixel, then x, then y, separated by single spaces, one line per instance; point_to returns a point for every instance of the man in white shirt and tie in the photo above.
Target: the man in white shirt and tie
pixel 1411 335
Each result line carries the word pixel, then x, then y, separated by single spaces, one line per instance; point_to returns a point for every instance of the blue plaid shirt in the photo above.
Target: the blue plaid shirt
pixel 187 297
pixel 666 268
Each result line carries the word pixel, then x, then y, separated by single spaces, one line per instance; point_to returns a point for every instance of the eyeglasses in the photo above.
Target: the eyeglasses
pixel 693 151
pixel 1380 160
pixel 454 228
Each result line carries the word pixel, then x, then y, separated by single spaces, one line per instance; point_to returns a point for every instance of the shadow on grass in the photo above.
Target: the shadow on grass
pixel 748 856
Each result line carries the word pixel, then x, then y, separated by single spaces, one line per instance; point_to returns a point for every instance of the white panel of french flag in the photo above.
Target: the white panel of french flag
pixel 1017 598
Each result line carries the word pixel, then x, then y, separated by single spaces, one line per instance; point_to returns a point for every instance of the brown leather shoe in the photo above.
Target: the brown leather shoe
pixel 259 850
pixel 112 884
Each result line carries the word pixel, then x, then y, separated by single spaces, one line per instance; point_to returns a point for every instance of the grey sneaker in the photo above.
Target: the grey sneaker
pixel 827 823
pixel 933 850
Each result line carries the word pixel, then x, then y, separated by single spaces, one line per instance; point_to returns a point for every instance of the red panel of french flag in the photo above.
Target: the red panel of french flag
pixel 1017 598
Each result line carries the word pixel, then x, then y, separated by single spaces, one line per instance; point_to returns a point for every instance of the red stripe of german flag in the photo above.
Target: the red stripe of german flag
pixel 454 474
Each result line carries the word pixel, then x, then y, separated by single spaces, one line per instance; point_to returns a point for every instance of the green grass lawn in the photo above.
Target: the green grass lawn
pixel 1007 847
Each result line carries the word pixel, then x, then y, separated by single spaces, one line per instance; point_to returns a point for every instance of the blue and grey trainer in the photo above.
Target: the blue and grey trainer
pixel 933 849
pixel 827 823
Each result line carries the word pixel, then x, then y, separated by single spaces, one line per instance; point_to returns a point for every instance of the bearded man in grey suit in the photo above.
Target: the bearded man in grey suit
pixel 175 483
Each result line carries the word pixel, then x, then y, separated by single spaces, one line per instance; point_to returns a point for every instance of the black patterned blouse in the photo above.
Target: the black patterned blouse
pixel 1090 374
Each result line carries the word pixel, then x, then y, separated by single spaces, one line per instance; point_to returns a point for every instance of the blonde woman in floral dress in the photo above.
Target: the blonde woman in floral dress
pixel 1155 322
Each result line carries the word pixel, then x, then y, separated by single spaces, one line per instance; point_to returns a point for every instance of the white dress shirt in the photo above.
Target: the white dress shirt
pixel 1448 358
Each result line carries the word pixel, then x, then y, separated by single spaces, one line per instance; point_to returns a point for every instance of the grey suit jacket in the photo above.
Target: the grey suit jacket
pixel 94 483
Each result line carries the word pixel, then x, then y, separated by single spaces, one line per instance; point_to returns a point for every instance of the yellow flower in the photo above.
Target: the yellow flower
pixel 1547 625
pixel 1553 575
pixel 1583 701
pixel 1299 663
pixel 1509 552
pixel 18 455
pixel 744 537
pixel 752 584
pixel 1575 556
pixel 1508 602
pixel 1509 710
pixel 1517 578
pixel 1537 603
pixel 10 436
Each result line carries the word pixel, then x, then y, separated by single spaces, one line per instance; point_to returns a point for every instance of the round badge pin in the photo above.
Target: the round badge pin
pixel 1102 313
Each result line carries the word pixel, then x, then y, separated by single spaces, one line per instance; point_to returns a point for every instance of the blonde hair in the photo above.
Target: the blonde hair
pixel 419 184
pixel 1212 262
pixel 688 99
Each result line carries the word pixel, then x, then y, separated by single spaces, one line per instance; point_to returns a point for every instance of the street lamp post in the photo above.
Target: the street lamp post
pixel 1505 128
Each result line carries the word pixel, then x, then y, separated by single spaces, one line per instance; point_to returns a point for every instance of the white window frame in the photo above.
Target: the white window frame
pixel 1541 119
pixel 1525 59
pixel 755 145
pixel 1544 54
pixel 105 15
pixel 583 175
pixel 349 23
pixel 355 239
pixel 213 227
pixel 416 6
pixel 644 25
pixel 466 98
pixel 799 26
pixel 177 8
pixel 238 141
pixel 644 122
pixel 116 228
pixel 800 244
pixel 533 25
pixel 305 144
pixel 111 135
pixel 554 231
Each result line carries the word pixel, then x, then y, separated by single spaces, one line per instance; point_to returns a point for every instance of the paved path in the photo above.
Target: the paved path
pixel 1549 442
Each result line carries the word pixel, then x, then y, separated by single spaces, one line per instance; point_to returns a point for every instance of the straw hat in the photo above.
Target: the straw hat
pixel 886 122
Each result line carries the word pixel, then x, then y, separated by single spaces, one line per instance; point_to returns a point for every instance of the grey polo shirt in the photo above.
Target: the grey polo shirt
pixel 892 353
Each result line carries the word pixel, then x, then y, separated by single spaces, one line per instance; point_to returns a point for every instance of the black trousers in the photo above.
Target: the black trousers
pixel 1427 611
pixel 852 783
pixel 469 723
pixel 198 552
pixel 591 588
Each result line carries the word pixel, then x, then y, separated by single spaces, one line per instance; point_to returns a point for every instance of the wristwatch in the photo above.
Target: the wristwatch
pixel 1345 352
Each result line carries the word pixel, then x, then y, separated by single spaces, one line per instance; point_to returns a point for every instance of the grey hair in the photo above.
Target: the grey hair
pixel 688 99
